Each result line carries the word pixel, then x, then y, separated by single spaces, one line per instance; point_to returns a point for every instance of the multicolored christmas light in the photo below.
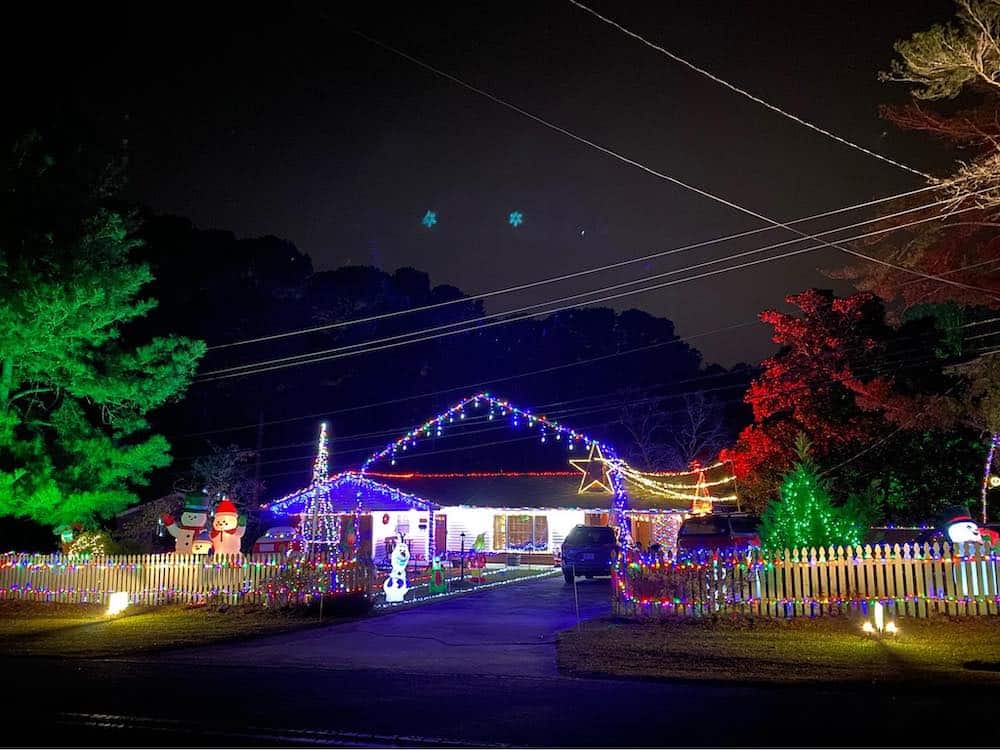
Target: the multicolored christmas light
pixel 989 478
pixel 518 418
pixel 319 525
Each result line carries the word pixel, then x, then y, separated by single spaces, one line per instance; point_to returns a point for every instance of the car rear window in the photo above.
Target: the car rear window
pixel 745 524
pixel 704 526
pixel 591 535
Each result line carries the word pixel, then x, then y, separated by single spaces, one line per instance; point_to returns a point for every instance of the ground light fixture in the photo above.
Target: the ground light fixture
pixel 117 603
pixel 877 625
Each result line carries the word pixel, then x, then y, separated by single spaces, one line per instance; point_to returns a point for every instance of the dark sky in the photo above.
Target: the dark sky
pixel 283 122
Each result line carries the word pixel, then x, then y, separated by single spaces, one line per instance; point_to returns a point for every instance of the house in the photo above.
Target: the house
pixel 522 514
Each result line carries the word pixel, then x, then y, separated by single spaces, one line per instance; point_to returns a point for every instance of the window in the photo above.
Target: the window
pixel 499 532
pixel 520 532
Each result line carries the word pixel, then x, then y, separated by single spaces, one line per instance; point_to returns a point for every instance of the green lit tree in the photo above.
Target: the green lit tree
pixel 74 393
pixel 804 515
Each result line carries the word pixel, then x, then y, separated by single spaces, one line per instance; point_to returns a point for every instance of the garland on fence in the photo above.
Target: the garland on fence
pixel 713 571
pixel 287 577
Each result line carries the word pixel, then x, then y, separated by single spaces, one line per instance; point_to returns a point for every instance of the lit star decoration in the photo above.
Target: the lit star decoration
pixel 515 219
pixel 430 219
pixel 595 471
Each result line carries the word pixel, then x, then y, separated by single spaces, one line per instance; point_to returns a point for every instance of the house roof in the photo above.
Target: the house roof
pixel 377 491
pixel 543 490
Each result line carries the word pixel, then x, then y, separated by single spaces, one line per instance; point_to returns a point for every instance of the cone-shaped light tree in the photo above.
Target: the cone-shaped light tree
pixel 804 515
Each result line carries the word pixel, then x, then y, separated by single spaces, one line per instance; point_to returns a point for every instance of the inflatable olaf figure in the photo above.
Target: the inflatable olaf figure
pixel 395 586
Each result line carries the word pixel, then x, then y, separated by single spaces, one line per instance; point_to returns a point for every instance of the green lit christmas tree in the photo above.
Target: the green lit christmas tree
pixel 804 515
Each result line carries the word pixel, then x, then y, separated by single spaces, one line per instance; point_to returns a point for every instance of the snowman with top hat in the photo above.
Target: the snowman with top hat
pixel 194 517
pixel 958 526
pixel 395 586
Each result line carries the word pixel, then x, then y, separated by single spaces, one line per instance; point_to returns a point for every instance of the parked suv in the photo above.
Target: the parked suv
pixel 718 531
pixel 588 551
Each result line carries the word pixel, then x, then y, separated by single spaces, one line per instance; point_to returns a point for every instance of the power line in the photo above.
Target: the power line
pixel 296 360
pixel 565 277
pixel 662 175
pixel 900 359
pixel 747 94
pixel 562 416
pixel 473 386
pixel 579 295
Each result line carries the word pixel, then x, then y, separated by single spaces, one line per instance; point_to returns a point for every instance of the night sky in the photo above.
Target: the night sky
pixel 284 122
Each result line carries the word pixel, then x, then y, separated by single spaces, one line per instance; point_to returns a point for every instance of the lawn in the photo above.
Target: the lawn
pixel 833 649
pixel 83 630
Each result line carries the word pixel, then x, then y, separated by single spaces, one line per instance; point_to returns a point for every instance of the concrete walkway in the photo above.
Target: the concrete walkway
pixel 508 630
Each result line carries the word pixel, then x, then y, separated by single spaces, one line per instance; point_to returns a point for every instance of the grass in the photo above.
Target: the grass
pixel 83 630
pixel 822 650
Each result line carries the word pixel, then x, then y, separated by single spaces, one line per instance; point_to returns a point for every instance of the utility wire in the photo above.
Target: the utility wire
pixel 516 376
pixel 473 386
pixel 662 175
pixel 565 277
pixel 579 295
pixel 745 93
pixel 338 353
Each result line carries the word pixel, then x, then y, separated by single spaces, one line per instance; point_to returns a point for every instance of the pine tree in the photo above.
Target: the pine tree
pixel 804 515
pixel 74 394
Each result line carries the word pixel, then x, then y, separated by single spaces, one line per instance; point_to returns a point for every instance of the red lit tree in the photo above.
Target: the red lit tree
pixel 843 378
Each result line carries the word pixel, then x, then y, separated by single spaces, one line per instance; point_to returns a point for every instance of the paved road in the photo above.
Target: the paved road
pixel 509 630
pixel 475 670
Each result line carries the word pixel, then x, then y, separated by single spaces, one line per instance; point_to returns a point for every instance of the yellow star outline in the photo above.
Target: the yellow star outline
pixel 595 471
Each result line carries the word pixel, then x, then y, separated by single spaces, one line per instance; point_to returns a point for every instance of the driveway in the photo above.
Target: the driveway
pixel 476 670
pixel 509 630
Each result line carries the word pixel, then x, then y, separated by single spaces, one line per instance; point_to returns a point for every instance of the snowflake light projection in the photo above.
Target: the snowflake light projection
pixel 430 219
pixel 515 219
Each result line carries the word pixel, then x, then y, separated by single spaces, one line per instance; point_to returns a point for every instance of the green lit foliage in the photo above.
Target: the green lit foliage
pixel 74 391
pixel 804 515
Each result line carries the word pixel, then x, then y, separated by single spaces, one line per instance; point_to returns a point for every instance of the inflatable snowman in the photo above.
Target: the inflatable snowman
pixel 193 519
pixel 959 526
pixel 228 528
pixel 395 586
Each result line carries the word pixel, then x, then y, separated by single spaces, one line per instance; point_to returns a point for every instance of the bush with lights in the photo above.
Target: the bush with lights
pixel 804 515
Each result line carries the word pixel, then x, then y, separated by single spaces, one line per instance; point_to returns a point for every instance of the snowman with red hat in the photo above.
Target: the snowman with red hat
pixel 228 528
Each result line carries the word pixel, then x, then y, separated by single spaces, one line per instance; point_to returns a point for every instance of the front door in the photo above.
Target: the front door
pixel 440 534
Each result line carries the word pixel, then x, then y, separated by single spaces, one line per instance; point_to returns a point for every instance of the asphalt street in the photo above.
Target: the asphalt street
pixel 474 670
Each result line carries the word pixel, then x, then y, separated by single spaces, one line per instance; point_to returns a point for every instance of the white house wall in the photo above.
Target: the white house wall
pixel 406 522
pixel 476 521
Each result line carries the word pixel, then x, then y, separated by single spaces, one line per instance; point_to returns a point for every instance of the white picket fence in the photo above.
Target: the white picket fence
pixel 911 581
pixel 157 579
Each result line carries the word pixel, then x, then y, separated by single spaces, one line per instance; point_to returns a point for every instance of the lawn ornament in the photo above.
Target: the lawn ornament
pixel 67 534
pixel 395 586
pixel 228 528
pixel 194 517
pixel 202 543
pixel 877 625
pixel 476 563
pixel 959 527
pixel 437 583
